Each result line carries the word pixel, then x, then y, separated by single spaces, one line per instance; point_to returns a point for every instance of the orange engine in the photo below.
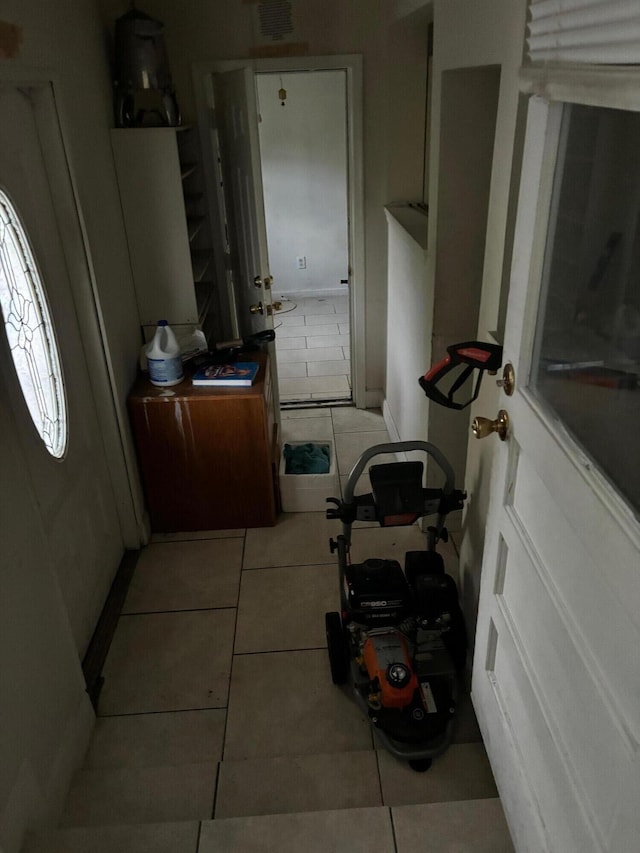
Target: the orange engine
pixel 387 659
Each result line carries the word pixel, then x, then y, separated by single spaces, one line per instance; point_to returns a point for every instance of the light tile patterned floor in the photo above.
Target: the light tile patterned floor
pixel 219 728
pixel 313 349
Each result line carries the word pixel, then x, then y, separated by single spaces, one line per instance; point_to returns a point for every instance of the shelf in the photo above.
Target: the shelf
pixel 204 295
pixel 187 169
pixel 194 224
pixel 193 203
pixel 200 262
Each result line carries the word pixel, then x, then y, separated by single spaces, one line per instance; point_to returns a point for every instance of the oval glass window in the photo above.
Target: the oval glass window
pixel 29 330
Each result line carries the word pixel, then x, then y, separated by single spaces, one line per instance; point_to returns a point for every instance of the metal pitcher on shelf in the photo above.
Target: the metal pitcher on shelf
pixel 144 93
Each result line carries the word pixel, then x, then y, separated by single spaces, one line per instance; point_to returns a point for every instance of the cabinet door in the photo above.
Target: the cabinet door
pixel 206 456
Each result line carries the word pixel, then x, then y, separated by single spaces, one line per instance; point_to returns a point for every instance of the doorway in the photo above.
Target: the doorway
pixel 302 120
pixel 238 288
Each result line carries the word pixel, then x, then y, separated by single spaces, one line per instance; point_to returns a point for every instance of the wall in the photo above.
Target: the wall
pixel 493 34
pixel 303 150
pixel 409 290
pixel 467 132
pixel 46 715
pixel 199 32
pixel 406 409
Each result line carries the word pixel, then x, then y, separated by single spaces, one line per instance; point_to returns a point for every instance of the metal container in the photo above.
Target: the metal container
pixel 144 89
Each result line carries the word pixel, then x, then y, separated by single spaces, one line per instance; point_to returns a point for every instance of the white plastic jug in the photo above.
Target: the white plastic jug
pixel 163 357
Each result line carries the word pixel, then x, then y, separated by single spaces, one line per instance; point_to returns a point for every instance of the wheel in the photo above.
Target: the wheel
pixel 336 647
pixel 420 765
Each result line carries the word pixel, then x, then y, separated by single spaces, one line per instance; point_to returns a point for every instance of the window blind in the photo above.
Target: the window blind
pixel 584 31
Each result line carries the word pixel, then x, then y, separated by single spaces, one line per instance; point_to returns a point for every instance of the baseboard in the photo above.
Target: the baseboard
pixel 98 649
pixel 317 293
pixel 392 429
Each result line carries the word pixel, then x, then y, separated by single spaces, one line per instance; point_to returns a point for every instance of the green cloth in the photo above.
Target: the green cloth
pixel 306 458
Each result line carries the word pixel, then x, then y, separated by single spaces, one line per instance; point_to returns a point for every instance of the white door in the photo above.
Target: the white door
pixel 242 203
pixel 556 679
pixel 236 119
pixel 76 508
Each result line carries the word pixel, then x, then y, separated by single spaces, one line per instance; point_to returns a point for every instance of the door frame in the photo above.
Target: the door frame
pixel 352 65
pixel 114 426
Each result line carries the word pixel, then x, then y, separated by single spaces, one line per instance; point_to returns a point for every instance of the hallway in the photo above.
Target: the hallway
pixel 313 348
pixel 218 726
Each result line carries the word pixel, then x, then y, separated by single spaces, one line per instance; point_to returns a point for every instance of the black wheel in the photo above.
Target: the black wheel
pixel 336 647
pixel 420 765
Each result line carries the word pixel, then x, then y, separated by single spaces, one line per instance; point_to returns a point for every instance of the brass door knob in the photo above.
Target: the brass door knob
pixel 266 281
pixel 275 306
pixel 257 309
pixel 482 427
pixel 508 381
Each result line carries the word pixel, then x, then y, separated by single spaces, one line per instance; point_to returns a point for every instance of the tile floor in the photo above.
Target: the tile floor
pixel 218 726
pixel 313 349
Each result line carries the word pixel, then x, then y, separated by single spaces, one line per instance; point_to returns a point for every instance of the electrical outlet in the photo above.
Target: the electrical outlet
pixel 301 262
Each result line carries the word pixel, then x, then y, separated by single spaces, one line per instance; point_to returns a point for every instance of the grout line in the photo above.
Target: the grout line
pixel 179 610
pixel 215 791
pixel 378 769
pixel 233 646
pixel 280 651
pixel 393 830
pixel 161 711
pixel 327 562
pixel 146 713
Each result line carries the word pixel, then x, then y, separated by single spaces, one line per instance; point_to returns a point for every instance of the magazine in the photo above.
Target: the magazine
pixel 241 373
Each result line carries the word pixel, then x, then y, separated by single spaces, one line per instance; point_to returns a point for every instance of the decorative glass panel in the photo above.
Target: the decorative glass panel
pixel 587 358
pixel 30 333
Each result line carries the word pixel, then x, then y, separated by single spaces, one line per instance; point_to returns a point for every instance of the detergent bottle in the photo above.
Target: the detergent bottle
pixel 163 357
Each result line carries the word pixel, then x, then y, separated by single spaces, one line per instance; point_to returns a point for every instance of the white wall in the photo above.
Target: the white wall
pixel 467 130
pixel 493 34
pixel 303 150
pixel 406 409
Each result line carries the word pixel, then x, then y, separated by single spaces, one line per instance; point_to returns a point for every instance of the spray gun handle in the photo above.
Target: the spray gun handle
pixel 477 355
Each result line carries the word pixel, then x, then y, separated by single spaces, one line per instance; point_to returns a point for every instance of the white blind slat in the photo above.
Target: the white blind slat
pixel 594 16
pixel 584 31
pixel 551 8
pixel 597 36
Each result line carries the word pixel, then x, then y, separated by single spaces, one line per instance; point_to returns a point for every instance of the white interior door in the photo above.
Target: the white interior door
pixel 240 175
pixel 209 81
pixel 75 508
pixel 556 679
pixel 236 120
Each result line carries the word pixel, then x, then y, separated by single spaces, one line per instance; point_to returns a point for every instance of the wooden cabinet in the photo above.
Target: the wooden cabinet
pixel 165 212
pixel 208 456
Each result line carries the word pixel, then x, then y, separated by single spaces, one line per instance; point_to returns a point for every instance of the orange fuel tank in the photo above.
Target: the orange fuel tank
pixel 387 659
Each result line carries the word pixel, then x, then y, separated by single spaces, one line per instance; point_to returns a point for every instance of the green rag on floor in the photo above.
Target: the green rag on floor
pixel 306 458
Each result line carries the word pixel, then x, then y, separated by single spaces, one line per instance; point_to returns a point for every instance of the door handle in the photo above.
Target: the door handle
pixel 482 427
pixel 508 381
pixel 265 282
pixel 270 309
